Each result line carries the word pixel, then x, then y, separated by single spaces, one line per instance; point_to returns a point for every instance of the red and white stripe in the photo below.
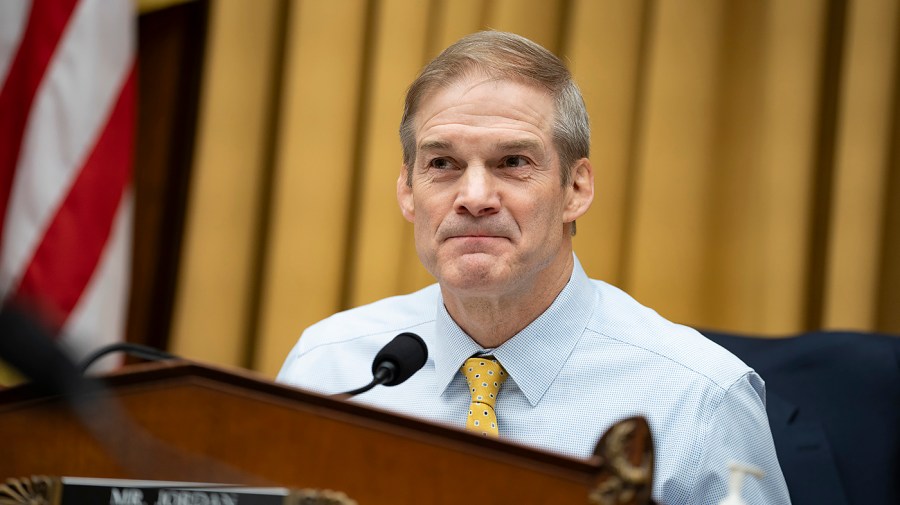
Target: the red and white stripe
pixel 67 114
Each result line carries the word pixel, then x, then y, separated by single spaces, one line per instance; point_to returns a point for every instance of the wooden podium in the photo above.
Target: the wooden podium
pixel 189 422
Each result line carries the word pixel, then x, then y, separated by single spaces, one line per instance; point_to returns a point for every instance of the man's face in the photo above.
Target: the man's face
pixel 486 198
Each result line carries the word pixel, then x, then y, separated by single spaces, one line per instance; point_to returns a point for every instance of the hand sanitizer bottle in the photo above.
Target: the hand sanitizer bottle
pixel 736 480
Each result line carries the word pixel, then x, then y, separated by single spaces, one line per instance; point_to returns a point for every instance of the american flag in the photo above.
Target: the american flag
pixel 67 70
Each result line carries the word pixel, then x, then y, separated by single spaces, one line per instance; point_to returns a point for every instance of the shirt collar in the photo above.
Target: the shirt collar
pixel 534 356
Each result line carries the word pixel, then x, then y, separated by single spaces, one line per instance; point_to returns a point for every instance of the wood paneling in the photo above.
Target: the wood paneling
pixel 170 52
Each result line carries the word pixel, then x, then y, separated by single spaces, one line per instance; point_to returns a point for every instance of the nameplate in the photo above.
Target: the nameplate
pixel 79 491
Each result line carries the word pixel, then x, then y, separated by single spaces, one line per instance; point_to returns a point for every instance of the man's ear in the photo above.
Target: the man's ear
pixel 405 196
pixel 580 190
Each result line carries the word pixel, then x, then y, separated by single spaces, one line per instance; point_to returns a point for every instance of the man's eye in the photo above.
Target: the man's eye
pixel 515 161
pixel 440 163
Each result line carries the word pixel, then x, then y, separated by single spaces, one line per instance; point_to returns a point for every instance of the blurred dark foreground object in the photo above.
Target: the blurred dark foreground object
pixel 833 401
pixel 29 347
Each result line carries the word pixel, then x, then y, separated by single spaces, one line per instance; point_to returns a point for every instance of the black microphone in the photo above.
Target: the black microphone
pixel 395 362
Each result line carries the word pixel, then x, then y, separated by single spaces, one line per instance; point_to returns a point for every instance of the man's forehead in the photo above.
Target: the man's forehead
pixel 483 100
pixel 480 82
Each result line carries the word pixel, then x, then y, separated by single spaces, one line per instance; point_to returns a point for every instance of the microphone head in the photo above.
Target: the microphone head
pixel 407 353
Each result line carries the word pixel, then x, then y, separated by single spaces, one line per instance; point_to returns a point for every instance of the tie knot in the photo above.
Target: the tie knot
pixel 485 376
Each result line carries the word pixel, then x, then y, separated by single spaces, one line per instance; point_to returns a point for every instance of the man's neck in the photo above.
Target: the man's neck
pixel 492 320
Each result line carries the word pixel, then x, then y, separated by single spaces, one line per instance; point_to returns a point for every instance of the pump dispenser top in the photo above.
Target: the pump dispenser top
pixel 736 481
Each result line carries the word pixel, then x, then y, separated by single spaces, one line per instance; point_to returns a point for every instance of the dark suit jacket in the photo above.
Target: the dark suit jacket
pixel 833 401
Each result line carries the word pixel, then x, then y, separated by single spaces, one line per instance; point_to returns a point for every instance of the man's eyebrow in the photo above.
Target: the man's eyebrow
pixel 520 145
pixel 509 145
pixel 435 145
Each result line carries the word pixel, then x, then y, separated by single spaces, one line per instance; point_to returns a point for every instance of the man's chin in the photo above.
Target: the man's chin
pixel 474 273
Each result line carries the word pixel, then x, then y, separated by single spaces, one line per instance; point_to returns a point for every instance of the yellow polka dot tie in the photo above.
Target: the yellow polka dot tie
pixel 485 376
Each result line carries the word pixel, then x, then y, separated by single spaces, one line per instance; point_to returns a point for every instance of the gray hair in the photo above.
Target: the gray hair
pixel 504 55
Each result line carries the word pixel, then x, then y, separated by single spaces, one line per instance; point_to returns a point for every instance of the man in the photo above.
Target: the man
pixel 495 172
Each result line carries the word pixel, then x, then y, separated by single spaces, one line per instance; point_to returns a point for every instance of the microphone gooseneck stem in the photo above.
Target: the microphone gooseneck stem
pixel 141 351
pixel 384 373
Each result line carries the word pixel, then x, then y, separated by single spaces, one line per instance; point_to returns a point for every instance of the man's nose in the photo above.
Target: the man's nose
pixel 477 193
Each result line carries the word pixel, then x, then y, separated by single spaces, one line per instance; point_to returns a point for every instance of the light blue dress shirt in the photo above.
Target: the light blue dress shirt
pixel 596 356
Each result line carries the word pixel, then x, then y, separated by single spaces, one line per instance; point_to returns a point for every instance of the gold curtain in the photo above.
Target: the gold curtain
pixel 745 154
